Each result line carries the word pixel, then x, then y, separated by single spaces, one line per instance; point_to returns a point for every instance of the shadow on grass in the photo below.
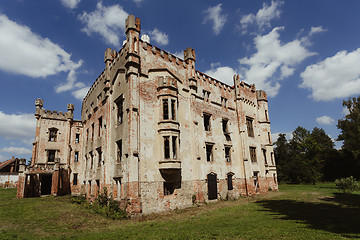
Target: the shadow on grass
pixel 342 218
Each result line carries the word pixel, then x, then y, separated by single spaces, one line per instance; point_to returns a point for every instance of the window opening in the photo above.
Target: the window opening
pixel 52 135
pixel 76 159
pixel 227 153
pixel 272 158
pixel 174 138
pixel 209 152
pixel 91 160
pixel 75 179
pixel 51 155
pixel 264 155
pixel 120 111
pixel 256 180
pixel 207 124
pixel 165 109
pixel 225 126
pixel 250 129
pixel 166 148
pixel 253 154
pixel 266 115
pixel 99 156
pixel 77 138
pixel 119 150
pixel 92 132
pixel 230 181
pixel 173 114
pixel 100 126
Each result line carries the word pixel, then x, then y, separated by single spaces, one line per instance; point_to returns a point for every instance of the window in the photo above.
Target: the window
pixel 118 188
pixel 266 115
pixel 225 126
pixel 120 109
pixel 272 158
pixel 91 160
pixel 228 154
pixel 256 180
pixel 206 95
pixel 166 148
pixel 269 137
pixel 99 100
pixel 75 179
pixel 223 101
pixel 209 152
pixel 173 146
pixel 52 134
pixel 99 156
pixel 173 113
pixel 250 129
pixel 274 175
pixel 119 151
pixel 264 155
pixel 207 124
pixel 100 126
pixel 253 154
pixel 92 132
pixel 77 138
pixel 76 159
pixel 165 109
pixel 230 181
pixel 51 155
pixel 169 188
pixel 87 135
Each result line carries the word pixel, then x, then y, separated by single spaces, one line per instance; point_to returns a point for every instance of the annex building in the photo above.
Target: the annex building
pixel 156 133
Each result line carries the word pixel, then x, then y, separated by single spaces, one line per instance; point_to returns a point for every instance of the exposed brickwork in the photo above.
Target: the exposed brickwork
pixel 158 134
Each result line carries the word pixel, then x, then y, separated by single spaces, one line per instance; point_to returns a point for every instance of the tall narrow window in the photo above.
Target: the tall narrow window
pixel 77 138
pixel 266 115
pixel 228 154
pixel 100 126
pixel 119 150
pixel 165 109
pixel 256 180
pixel 76 158
pixel 166 148
pixel 92 132
pixel 223 101
pixel 99 156
pixel 91 160
pixel 253 154
pixel 207 124
pixel 87 135
pixel 75 179
pixel 209 152
pixel 52 135
pixel 174 138
pixel 173 112
pixel 51 155
pixel 120 109
pixel 264 155
pixel 250 129
pixel 225 126
pixel 272 158
pixel 230 181
pixel 269 137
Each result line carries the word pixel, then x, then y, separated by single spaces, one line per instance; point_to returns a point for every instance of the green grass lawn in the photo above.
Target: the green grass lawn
pixel 296 212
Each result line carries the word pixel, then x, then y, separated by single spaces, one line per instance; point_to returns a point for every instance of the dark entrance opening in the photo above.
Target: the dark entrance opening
pixel 46 182
pixel 212 186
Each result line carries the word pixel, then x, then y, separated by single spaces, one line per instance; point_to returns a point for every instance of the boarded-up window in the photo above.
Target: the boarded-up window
pixel 253 154
pixel 249 125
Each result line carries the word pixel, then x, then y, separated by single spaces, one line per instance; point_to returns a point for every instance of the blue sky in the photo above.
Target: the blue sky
pixel 305 54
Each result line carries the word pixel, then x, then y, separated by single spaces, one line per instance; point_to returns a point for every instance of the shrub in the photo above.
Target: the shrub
pixel 348 184
pixel 78 199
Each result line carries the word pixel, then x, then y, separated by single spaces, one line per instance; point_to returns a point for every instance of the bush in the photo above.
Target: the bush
pixel 348 184
pixel 78 199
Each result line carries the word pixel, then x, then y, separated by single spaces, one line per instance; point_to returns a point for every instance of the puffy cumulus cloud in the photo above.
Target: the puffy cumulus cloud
pixel 317 29
pixel 335 77
pixel 70 3
pixel 17 126
pixel 273 61
pixel 159 37
pixel 37 56
pixel 80 93
pixel 214 14
pixel 107 21
pixel 263 16
pixel 16 150
pixel 224 74
pixel 325 120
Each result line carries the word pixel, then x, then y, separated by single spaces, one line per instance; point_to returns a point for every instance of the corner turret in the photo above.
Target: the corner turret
pixel 39 103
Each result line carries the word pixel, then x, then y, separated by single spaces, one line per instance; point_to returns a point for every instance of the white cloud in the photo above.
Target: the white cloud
pixel 335 77
pixel 273 61
pixel 16 150
pixel 317 29
pixel 35 56
pixel 70 3
pixel 17 126
pixel 80 93
pixel 218 19
pixel 325 120
pixel 108 22
pixel 224 74
pixel 159 37
pixel 345 111
pixel 263 16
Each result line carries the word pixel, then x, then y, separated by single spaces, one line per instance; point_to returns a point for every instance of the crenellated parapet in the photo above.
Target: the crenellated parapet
pixel 57 115
pixel 261 95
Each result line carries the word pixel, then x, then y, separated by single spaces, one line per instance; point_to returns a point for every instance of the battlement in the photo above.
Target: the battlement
pixel 58 115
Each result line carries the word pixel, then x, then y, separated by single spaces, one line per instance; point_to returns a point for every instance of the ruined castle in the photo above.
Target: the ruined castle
pixel 156 133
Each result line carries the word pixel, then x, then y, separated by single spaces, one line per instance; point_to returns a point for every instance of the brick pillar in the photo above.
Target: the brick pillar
pixel 55 182
pixel 21 186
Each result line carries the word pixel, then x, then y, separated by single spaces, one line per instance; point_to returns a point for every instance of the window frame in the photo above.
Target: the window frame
pixel 209 150
pixel 253 156
pixel 53 132
pixel 207 122
pixel 250 126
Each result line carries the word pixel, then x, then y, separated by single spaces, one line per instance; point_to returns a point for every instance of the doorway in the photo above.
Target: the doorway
pixel 212 186
pixel 46 182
